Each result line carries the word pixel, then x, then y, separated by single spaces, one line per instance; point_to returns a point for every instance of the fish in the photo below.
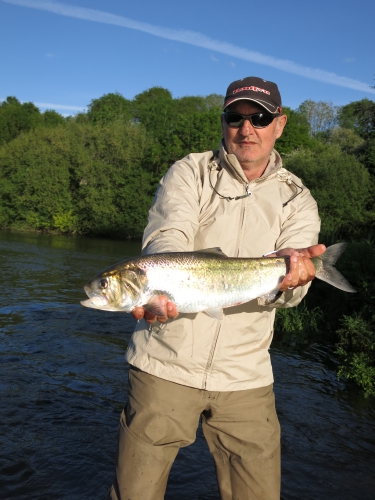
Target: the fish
pixel 204 280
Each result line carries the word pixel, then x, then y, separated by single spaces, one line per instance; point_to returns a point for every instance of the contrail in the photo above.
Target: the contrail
pixel 197 39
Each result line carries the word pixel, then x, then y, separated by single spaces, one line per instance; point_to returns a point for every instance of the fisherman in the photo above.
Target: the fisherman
pixel 191 366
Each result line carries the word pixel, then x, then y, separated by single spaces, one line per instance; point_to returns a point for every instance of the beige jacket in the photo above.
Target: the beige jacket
pixel 190 213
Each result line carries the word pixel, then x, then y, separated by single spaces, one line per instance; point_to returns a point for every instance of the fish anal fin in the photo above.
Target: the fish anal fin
pixel 215 312
pixel 268 298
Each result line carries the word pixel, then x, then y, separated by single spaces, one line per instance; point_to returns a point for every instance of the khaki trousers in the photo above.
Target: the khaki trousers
pixel 241 429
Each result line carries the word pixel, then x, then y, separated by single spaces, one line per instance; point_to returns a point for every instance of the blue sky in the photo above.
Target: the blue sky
pixel 61 55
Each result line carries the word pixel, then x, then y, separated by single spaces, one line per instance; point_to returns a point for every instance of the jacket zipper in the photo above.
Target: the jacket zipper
pixel 242 216
pixel 214 342
pixel 212 352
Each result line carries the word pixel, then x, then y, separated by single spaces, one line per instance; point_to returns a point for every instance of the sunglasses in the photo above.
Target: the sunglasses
pixel 257 120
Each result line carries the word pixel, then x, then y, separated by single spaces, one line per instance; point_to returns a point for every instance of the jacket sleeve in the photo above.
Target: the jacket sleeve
pixel 173 217
pixel 299 230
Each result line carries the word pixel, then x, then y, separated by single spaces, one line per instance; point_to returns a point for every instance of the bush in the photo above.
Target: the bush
pixel 299 324
pixel 356 351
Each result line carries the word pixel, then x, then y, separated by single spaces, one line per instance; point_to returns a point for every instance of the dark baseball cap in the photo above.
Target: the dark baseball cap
pixel 255 89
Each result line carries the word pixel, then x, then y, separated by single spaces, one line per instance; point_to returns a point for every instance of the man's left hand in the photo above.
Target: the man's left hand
pixel 301 269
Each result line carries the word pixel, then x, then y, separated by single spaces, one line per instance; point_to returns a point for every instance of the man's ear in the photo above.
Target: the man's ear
pixel 281 122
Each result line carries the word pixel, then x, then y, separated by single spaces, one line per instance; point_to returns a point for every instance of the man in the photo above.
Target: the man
pixel 187 366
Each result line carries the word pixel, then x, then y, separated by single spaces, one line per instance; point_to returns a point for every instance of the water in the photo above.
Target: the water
pixel 63 385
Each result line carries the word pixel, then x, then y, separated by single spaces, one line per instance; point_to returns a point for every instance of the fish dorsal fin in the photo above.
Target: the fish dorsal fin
pixel 214 251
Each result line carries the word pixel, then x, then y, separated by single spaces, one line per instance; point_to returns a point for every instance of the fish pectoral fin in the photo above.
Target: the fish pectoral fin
pixel 215 251
pixel 268 298
pixel 215 312
pixel 155 306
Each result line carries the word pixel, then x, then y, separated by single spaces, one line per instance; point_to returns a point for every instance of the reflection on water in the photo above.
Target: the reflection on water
pixel 63 385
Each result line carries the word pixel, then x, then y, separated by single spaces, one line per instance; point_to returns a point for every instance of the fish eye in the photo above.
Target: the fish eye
pixel 103 283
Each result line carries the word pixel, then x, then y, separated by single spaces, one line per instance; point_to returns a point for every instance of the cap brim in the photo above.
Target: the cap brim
pixel 268 106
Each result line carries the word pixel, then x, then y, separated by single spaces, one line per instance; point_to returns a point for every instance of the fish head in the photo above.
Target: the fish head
pixel 113 290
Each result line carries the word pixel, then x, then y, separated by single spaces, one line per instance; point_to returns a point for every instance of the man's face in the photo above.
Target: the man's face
pixel 252 146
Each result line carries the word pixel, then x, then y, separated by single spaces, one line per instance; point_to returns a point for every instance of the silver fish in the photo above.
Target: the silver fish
pixel 205 280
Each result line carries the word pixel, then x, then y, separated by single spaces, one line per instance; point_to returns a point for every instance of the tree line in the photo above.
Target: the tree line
pixel 96 174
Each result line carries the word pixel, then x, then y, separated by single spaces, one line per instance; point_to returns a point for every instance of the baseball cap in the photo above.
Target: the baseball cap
pixel 254 89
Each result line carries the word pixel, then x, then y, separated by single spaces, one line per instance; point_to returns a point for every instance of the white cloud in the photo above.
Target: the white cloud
pixel 196 39
pixel 48 105
pixel 214 59
pixel 65 107
pixel 349 60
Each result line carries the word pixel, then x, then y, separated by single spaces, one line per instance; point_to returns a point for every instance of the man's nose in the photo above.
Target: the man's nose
pixel 247 127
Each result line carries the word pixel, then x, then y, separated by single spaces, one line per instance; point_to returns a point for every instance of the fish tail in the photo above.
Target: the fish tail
pixel 326 271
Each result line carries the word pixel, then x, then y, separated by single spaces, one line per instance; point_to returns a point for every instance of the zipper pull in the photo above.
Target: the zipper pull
pixel 248 193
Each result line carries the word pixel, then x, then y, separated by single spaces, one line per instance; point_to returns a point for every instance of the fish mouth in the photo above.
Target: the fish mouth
pixel 95 301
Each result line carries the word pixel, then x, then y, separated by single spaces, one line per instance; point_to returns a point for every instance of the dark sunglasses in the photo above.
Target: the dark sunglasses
pixel 257 120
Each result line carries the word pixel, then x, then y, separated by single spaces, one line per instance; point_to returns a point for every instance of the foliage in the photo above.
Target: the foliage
pixel 356 351
pixel 339 183
pixel 111 191
pixel 34 178
pixel 366 155
pixel 80 178
pixel 16 118
pixel 176 127
pixel 296 133
pixel 359 116
pixel 346 139
pixel 298 324
pixel 109 107
pixel 51 118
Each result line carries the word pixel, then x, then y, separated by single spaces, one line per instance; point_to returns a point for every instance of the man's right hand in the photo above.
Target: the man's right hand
pixel 168 309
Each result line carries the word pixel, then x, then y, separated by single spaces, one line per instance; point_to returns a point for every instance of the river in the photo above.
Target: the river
pixel 63 385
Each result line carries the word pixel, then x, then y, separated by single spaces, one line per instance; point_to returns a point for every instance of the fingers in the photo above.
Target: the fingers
pixel 138 313
pixel 301 270
pixel 313 251
pixel 166 310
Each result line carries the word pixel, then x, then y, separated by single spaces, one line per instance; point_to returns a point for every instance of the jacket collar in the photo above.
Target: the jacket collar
pixel 274 164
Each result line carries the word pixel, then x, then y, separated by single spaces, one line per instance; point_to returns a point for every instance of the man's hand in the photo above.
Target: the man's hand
pixel 301 270
pixel 167 309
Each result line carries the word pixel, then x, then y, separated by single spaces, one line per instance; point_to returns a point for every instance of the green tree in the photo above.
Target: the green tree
pixel 111 190
pixel 35 181
pixel 340 184
pixel 296 133
pixel 155 110
pixel 51 118
pixel 195 132
pixel 346 139
pixel 359 116
pixel 16 118
pixel 320 115
pixel 109 107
